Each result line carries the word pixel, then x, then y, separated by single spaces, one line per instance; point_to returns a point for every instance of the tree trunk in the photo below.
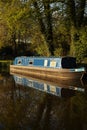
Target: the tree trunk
pixel 14 44
pixel 80 12
pixel 49 30
pixel 76 15
pixel 45 23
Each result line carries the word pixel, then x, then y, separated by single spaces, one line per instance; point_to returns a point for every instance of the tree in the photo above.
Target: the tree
pixel 44 17
pixel 76 14
pixel 15 17
pixel 44 25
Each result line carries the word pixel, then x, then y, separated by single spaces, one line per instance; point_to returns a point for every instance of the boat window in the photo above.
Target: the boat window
pixel 52 88
pixel 45 87
pixel 45 62
pixel 30 62
pixel 19 62
pixel 53 64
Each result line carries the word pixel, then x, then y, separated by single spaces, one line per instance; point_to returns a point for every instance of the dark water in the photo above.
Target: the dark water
pixel 31 104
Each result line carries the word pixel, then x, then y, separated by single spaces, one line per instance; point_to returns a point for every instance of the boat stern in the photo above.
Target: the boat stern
pixel 84 76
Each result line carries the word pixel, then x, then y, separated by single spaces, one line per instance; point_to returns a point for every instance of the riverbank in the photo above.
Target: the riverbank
pixel 4 65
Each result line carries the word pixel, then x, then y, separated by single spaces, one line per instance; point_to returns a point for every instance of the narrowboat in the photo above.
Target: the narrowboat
pixel 49 68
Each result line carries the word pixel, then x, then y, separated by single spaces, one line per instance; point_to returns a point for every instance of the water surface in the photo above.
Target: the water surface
pixel 31 104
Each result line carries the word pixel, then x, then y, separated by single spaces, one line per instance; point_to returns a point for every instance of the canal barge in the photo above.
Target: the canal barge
pixel 52 68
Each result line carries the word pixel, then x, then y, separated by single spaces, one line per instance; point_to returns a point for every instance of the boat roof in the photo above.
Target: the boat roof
pixel 43 57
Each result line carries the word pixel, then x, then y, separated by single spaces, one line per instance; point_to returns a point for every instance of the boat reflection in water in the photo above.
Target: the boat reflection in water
pixel 32 104
pixel 48 87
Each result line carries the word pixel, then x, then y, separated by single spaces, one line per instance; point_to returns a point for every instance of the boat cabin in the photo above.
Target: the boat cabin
pixel 52 62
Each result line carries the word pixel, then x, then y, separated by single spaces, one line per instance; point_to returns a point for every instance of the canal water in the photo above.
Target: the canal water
pixel 32 104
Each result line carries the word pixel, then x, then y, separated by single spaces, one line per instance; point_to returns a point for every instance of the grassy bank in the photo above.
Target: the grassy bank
pixel 4 65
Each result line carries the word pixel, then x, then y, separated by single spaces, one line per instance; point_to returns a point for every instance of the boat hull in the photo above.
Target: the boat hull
pixel 51 74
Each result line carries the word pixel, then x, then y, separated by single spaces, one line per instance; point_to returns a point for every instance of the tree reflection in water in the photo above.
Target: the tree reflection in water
pixel 24 108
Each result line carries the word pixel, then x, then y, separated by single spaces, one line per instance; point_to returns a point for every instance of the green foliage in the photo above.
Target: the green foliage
pixel 50 26
pixel 58 52
pixel 81 44
pixel 39 43
pixel 61 39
